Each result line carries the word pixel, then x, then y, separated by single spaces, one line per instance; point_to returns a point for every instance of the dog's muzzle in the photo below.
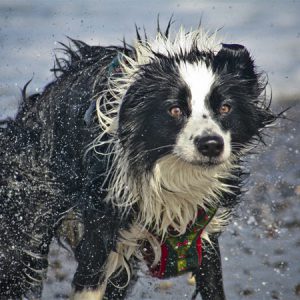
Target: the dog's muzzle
pixel 209 145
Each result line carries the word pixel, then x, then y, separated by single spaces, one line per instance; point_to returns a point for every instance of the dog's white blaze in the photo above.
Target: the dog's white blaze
pixel 199 80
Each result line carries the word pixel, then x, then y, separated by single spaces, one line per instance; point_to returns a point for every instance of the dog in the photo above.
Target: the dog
pixel 145 143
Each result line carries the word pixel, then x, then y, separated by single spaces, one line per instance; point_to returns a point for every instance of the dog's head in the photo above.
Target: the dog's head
pixel 187 99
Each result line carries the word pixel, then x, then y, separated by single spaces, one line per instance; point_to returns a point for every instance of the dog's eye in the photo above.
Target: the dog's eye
pixel 224 109
pixel 175 112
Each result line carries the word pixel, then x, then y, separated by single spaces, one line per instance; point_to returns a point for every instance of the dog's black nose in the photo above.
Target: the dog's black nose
pixel 209 145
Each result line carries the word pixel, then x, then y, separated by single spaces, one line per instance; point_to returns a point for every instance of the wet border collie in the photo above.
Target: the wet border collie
pixel 144 142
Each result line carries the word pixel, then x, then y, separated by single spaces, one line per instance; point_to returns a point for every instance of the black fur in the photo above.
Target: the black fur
pixel 43 173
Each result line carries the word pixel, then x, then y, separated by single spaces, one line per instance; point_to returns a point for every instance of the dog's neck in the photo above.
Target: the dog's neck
pixel 170 195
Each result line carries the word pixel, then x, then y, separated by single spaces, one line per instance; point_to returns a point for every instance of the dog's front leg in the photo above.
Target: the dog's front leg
pixel 92 289
pixel 209 282
pixel 92 253
pixel 87 282
pixel 96 257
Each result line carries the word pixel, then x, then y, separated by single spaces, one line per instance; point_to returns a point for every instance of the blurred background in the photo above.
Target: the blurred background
pixel 30 30
pixel 261 248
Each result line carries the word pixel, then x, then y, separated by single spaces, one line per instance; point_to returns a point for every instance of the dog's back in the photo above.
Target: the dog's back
pixel 42 171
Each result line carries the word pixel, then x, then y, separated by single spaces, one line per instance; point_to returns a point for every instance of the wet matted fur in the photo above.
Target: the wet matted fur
pixel 136 139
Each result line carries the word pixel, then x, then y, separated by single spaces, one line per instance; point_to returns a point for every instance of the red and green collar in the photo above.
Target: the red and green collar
pixel 181 254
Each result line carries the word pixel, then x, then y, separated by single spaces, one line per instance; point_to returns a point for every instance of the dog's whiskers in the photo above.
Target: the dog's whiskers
pixel 158 148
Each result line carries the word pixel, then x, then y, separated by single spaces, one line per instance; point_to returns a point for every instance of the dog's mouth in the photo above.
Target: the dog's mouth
pixel 205 163
pixel 210 163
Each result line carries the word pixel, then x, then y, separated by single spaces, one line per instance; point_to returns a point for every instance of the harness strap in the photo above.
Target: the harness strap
pixel 114 67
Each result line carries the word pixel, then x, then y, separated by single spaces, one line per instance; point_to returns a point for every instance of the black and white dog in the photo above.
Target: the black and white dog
pixel 157 180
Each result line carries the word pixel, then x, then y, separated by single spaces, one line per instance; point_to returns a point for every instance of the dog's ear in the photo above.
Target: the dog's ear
pixel 234 59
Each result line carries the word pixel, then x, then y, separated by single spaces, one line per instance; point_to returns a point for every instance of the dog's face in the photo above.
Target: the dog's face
pixel 200 106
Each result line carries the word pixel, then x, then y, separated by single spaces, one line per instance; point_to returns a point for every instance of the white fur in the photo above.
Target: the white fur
pixel 182 42
pixel 171 194
pixel 88 294
pixel 199 79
